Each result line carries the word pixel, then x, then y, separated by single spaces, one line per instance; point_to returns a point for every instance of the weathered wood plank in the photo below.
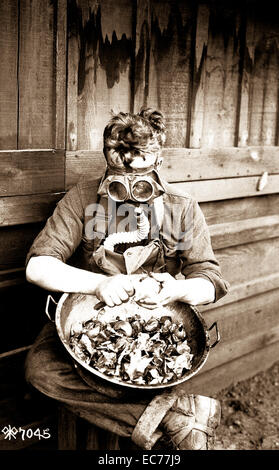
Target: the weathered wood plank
pixel 36 75
pixel 61 73
pixel 83 163
pixel 31 172
pixel 16 210
pixel 100 51
pixel 199 78
pixel 239 209
pixel 243 263
pixel 8 74
pixel 221 377
pixel 261 74
pixel 182 164
pixel 225 352
pixel 244 231
pixel 205 164
pixel 221 71
pixel 72 80
pixel 245 90
pixel 229 188
pixel 246 289
pixel 163 53
pixel 245 317
pixel 145 79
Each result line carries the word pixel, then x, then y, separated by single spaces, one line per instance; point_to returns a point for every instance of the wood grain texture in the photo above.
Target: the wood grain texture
pixel 8 74
pixel 185 164
pixel 239 209
pixel 36 75
pixel 244 231
pixel 164 33
pixel 199 76
pixel 228 188
pixel 259 90
pixel 83 163
pixel 60 74
pixel 16 210
pixel 243 263
pixel 216 75
pixel 245 289
pixel 99 60
pixel 31 172
pixel 238 320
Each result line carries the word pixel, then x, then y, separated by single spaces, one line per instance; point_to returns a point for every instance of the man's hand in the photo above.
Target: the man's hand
pixel 113 290
pixel 191 291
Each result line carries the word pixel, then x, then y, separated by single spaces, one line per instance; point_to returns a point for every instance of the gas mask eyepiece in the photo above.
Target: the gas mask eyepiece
pixel 139 189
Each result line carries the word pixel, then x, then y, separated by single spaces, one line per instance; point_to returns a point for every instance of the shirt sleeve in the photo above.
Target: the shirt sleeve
pixel 198 259
pixel 62 233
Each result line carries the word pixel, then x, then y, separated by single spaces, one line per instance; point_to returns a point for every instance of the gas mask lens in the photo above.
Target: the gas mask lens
pixel 140 190
pixel 118 191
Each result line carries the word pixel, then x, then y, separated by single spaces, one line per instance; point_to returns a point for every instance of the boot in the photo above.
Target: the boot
pixel 189 421
pixel 192 421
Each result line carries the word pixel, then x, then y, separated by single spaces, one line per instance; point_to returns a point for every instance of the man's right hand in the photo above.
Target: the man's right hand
pixel 113 290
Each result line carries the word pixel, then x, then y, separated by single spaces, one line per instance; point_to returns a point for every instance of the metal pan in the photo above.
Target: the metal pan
pixel 73 308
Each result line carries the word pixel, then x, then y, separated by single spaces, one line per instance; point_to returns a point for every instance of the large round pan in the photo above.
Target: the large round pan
pixel 73 308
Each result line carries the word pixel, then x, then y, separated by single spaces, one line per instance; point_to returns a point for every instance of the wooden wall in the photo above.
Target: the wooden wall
pixel 212 68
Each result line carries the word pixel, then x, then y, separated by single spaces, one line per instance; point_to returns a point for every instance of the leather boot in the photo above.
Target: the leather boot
pixel 192 421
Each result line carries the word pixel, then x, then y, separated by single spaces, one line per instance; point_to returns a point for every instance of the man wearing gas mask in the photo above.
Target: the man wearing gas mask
pixel 89 245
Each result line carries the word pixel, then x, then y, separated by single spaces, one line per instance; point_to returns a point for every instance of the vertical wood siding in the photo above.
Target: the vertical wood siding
pixel 99 55
pixel 8 74
pixel 211 67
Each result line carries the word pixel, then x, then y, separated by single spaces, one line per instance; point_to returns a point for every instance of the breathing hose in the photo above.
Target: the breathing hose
pixel 135 236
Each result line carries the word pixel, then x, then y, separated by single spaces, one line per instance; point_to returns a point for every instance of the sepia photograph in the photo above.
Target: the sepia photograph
pixel 139 237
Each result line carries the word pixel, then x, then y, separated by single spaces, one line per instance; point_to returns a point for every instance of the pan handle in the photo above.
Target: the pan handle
pixel 217 334
pixel 49 298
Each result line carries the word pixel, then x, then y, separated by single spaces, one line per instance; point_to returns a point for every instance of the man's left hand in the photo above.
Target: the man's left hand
pixel 193 291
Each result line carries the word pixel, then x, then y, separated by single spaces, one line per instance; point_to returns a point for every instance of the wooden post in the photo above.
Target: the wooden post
pixel 259 109
pixel 199 78
pixel 8 74
pixel 36 75
pixel 67 429
pixel 61 74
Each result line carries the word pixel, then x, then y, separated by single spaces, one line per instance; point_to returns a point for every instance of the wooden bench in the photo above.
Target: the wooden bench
pixel 75 434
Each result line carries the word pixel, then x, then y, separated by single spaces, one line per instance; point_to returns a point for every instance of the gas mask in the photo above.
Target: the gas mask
pixel 130 187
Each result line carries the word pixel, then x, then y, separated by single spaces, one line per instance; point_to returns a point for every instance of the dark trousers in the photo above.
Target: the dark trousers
pixel 50 369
